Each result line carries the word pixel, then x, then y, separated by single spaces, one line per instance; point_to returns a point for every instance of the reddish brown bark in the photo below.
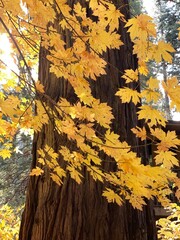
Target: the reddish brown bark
pixel 79 212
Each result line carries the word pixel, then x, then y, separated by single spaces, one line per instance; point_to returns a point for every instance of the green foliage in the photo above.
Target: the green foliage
pixel 135 7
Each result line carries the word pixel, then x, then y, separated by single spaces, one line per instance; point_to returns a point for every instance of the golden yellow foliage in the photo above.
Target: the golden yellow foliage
pixel 9 223
pixel 126 95
pixel 169 228
pixel 36 171
pixel 172 88
pixel 79 61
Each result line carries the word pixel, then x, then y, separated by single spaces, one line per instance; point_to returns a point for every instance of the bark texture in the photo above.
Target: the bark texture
pixel 79 212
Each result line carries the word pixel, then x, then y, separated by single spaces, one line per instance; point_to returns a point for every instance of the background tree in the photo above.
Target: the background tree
pixel 136 7
pixel 167 23
pixel 14 171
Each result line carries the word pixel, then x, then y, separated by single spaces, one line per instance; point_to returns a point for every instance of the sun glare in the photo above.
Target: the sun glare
pixel 6 59
pixel 149 5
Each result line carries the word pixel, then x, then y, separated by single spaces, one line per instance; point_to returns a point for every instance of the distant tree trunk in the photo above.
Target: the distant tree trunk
pixel 166 103
pixel 79 212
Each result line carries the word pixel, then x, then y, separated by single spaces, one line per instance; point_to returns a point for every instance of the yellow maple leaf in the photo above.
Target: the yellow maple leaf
pixel 41 152
pixel 141 48
pixel 50 151
pixel 172 88
pixel 152 116
pixel 177 184
pixel 96 173
pixel 107 40
pixel 41 161
pixel 60 171
pixel 56 178
pixel 140 132
pixel 151 95
pixel 39 87
pixel 94 158
pixel 112 146
pixel 79 10
pixel 136 201
pixel 130 75
pixel 74 174
pixel 162 51
pixel 153 83
pixel 5 153
pixel 10 106
pixel 65 152
pixel 141 27
pixel 36 171
pixel 167 158
pixel 142 67
pixel 168 139
pixel 112 16
pixel 127 95
pixel 111 196
pixel 103 113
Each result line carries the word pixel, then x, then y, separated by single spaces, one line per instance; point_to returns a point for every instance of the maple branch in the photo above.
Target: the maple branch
pixel 87 44
pixel 34 47
pixel 17 75
pixel 17 47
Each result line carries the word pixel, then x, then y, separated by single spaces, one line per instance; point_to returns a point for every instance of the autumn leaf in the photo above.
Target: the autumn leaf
pixel 150 95
pixel 141 27
pixel 172 88
pixel 141 49
pixel 167 158
pixel 96 173
pixel 127 95
pixel 5 153
pixel 103 113
pixel 107 40
pixel 136 201
pixel 130 75
pixel 153 83
pixel 177 184
pixel 59 171
pixel 36 171
pixel 39 87
pixel 151 116
pixel 162 51
pixel 111 196
pixel 56 178
pixel 41 161
pixel 140 132
pixel 142 67
pixel 167 140
pixel 79 10
pixel 74 173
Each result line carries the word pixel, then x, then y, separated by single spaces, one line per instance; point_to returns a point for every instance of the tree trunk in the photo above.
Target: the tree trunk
pixel 79 212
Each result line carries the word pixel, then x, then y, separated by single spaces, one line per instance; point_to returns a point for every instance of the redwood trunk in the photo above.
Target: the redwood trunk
pixel 79 212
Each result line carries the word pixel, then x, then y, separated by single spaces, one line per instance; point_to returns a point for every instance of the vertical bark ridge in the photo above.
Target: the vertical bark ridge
pixel 79 212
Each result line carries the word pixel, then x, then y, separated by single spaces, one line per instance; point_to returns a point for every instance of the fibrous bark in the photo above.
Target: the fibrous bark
pixel 79 212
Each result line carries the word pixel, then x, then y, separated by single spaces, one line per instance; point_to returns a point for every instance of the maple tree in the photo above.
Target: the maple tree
pixel 90 129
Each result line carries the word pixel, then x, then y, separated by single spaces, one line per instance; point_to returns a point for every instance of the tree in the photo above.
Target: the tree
pixel 87 179
pixel 90 216
pixel 135 7
pixel 167 17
